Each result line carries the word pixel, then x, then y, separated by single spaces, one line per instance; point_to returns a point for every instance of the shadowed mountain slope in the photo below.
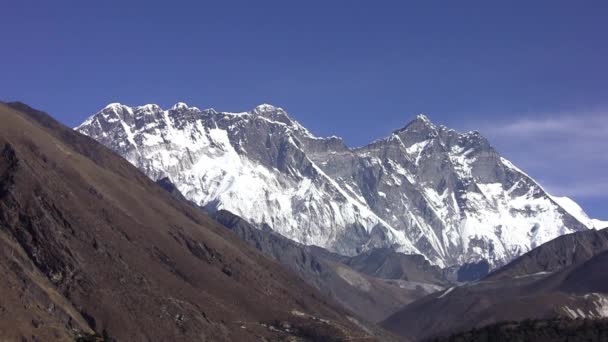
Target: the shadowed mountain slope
pixel 371 297
pixel 388 264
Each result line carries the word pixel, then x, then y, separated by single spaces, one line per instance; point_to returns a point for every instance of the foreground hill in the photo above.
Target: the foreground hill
pixel 88 244
pixel 566 280
pixel 550 330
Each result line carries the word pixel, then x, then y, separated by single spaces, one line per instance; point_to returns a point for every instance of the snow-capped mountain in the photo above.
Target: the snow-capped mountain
pixel 425 189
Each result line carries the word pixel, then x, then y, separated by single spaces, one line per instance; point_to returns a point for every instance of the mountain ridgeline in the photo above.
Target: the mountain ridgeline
pixel 424 189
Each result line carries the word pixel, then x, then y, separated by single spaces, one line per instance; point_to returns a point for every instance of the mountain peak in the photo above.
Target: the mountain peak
pixel 421 120
pixel 422 117
pixel 149 107
pixel 113 105
pixel 265 108
pixel 113 111
pixel 273 113
pixel 179 105
pixel 424 120
pixel 421 126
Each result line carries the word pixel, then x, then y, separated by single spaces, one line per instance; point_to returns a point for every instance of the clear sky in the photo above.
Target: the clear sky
pixel 530 75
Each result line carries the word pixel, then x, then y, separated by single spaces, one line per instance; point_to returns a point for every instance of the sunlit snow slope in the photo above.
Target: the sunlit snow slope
pixel 424 189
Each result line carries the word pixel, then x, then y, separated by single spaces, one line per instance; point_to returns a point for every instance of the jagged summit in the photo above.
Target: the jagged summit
pixel 265 107
pixel 421 123
pixel 179 105
pixel 260 109
pixel 150 107
pixel 273 113
pixel 113 105
pixel 425 190
pixel 423 118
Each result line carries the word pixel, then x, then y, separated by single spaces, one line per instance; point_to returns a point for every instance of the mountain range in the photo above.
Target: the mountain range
pixel 424 189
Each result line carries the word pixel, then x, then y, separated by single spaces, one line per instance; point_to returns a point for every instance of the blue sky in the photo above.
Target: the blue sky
pixel 531 76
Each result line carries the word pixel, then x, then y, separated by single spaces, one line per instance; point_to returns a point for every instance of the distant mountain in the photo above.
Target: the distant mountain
pixel 92 249
pixel 564 278
pixel 425 189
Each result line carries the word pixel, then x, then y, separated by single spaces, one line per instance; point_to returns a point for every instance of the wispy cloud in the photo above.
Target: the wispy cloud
pixel 585 125
pixel 566 152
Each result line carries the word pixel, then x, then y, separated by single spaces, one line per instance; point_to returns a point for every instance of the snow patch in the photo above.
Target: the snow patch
pixel 447 292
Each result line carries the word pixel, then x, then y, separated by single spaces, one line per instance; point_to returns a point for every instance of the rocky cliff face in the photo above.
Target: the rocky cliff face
pixel 425 189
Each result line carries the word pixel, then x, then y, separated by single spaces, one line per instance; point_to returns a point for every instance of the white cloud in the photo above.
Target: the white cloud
pixel 586 126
